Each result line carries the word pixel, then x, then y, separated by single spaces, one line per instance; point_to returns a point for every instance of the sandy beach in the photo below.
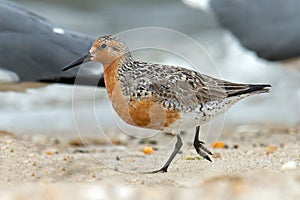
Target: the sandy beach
pixel 257 161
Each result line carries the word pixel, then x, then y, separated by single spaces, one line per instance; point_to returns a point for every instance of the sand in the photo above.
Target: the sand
pixel 258 161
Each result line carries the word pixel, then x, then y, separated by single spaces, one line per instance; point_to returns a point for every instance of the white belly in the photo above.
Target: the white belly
pixel 201 115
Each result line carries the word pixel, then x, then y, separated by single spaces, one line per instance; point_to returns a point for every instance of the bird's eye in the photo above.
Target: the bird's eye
pixel 103 46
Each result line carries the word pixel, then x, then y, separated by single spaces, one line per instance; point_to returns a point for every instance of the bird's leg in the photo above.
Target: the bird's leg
pixel 199 146
pixel 178 146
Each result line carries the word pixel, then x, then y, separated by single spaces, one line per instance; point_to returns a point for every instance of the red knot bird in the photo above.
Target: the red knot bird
pixel 163 97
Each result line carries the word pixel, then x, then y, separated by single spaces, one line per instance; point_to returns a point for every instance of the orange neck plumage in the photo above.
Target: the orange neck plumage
pixel 110 76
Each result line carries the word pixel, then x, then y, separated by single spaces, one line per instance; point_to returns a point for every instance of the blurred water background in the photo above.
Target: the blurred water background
pixel 49 110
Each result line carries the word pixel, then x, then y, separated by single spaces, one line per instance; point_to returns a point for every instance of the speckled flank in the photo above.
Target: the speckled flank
pixel 163 97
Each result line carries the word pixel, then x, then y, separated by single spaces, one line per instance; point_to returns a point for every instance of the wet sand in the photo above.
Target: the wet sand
pixel 252 164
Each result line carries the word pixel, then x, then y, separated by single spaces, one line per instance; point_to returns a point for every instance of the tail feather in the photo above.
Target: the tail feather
pixel 252 89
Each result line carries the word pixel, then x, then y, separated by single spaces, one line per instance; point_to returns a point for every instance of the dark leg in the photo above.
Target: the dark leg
pixel 178 146
pixel 199 146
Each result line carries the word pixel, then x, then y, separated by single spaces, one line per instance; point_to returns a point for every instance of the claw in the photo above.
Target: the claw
pixel 204 148
pixel 162 170
pixel 203 154
pixel 199 146
pixel 207 158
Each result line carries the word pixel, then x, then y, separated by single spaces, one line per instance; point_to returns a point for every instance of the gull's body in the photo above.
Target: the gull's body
pixel 32 49
pixel 268 27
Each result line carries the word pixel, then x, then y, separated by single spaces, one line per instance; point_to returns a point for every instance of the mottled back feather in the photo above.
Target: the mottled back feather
pixel 176 87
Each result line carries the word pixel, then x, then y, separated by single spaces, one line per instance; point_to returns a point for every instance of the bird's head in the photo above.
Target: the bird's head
pixel 105 50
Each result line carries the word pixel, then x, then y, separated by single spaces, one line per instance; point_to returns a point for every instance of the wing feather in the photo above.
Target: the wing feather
pixel 177 87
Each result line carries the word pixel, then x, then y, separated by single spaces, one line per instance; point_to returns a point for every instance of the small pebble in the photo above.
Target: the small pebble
pixel 8 141
pixel 146 141
pixel 291 165
pixel 193 158
pixel 31 155
pixel 271 149
pixel 51 152
pixel 216 155
pixel 148 150
pixel 80 151
pixel 219 145
pixel 116 141
pixel 129 160
pixel 76 142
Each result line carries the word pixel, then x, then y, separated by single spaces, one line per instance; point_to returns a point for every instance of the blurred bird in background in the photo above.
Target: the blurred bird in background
pixel 32 49
pixel 269 27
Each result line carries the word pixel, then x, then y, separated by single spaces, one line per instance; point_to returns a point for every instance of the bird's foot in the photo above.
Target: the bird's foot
pixel 164 169
pixel 202 150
